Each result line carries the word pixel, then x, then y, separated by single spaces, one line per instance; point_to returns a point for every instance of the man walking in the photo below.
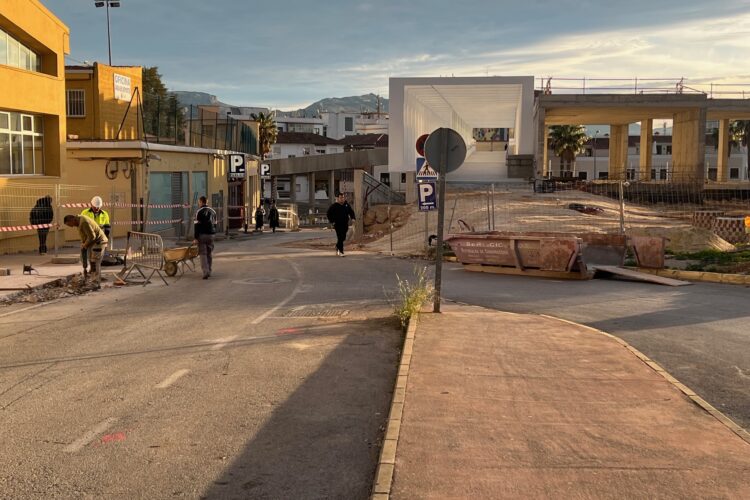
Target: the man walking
pixel 205 228
pixel 93 242
pixel 340 214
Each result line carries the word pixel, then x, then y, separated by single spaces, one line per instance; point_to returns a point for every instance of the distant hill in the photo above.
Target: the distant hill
pixel 188 98
pixel 361 103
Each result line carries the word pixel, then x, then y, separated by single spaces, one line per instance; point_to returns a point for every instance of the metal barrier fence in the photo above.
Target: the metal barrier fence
pixel 611 207
pixel 665 85
pixel 144 251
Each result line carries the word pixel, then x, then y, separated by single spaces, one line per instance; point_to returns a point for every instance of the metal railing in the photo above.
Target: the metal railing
pixel 635 85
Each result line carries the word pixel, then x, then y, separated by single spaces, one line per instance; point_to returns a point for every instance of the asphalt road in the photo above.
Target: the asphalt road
pixel 272 379
pixel 698 333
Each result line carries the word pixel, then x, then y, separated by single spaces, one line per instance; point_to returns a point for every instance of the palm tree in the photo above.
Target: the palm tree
pixel 742 129
pixel 736 136
pixel 568 141
pixel 267 131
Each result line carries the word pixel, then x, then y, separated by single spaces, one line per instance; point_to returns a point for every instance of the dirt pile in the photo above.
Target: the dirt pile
pixel 685 239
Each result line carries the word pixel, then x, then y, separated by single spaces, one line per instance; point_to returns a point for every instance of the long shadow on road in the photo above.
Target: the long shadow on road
pixel 324 440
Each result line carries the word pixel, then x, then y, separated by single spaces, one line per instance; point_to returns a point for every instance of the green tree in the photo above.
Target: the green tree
pixel 162 114
pixel 267 131
pixel 736 136
pixel 568 141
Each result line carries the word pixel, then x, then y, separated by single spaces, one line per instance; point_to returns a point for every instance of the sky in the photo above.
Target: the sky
pixel 286 54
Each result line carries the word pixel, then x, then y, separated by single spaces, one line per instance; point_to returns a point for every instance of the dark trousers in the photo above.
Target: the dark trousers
pixel 42 233
pixel 205 250
pixel 340 236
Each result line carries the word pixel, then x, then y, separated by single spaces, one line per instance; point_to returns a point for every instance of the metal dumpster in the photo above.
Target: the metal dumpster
pixel 520 253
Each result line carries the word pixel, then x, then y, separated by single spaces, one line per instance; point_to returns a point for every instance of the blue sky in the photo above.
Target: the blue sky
pixel 289 53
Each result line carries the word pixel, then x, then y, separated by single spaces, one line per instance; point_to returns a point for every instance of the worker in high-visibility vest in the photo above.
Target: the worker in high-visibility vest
pixel 99 215
pixel 96 213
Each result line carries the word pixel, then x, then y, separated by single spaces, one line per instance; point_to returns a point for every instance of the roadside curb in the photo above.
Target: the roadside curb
pixel 729 279
pixel 710 409
pixel 381 488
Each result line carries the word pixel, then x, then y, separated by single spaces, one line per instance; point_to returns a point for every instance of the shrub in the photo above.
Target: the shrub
pixel 412 295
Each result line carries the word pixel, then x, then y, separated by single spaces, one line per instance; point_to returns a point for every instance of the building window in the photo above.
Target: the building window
pixel 653 174
pixel 348 124
pixel 305 150
pixel 21 144
pixel 669 149
pixel 385 178
pixel 734 173
pixel 663 174
pixel 403 178
pixel 14 53
pixel 75 103
pixel 320 151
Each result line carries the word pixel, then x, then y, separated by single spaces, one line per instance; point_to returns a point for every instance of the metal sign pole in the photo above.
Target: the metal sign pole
pixel 441 217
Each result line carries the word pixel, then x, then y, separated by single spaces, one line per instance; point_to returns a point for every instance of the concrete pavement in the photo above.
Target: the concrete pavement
pixel 502 405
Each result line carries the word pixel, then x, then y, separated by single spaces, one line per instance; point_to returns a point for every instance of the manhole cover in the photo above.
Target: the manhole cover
pixel 317 311
pixel 260 281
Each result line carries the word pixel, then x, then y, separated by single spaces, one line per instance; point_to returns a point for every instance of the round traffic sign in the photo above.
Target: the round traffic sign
pixel 420 144
pixel 445 145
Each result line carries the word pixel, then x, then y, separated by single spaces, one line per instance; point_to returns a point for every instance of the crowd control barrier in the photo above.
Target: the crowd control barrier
pixel 144 252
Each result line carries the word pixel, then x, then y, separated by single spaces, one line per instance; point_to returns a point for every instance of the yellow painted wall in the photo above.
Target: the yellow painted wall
pixel 104 113
pixel 37 93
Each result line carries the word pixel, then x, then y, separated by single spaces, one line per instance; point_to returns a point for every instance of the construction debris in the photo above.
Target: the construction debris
pixel 69 286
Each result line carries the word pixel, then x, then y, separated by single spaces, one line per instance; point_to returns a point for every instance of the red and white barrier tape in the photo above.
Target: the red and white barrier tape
pixel 28 227
pixel 124 205
pixel 130 222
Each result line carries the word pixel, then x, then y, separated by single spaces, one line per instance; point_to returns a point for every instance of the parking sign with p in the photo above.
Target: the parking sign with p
pixel 426 196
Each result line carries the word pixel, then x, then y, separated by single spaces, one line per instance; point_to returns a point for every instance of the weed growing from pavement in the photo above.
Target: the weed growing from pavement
pixel 412 295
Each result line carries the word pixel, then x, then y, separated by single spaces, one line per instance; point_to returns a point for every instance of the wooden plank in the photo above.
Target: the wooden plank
pixel 538 273
pixel 629 273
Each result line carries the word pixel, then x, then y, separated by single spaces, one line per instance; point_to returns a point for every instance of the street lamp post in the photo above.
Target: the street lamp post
pixel 596 133
pixel 107 4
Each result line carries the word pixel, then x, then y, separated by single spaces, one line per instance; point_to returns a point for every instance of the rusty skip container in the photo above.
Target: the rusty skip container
pixel 523 252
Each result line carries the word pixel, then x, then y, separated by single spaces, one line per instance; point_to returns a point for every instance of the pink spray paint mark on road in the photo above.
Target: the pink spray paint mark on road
pixel 289 331
pixel 113 438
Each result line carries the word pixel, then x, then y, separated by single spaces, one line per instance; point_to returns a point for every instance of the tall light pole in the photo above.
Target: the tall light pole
pixel 596 133
pixel 107 4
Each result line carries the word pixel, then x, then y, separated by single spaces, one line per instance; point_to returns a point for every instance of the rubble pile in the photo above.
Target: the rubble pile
pixel 64 287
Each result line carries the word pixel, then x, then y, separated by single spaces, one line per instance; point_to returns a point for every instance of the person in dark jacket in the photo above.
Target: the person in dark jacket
pixel 273 217
pixel 42 215
pixel 205 228
pixel 259 213
pixel 340 214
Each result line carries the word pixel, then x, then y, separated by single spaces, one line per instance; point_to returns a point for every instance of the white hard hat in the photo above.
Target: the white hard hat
pixel 97 202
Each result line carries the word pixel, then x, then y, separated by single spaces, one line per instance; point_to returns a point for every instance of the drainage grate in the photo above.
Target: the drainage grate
pixel 316 311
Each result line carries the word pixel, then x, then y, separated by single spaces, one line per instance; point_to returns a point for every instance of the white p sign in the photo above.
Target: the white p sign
pixel 426 192
pixel 236 166
pixel 265 170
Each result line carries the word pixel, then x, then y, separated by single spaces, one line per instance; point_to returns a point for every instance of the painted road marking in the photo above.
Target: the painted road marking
pixel 220 343
pixel 284 302
pixel 90 435
pixel 172 379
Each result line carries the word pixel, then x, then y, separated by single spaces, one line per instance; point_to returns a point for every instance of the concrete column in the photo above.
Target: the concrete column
pixel 647 147
pixel 540 152
pixel 411 187
pixel 618 151
pixel 293 189
pixel 332 187
pixel 359 202
pixel 311 190
pixel 722 158
pixel 689 145
pixel 545 154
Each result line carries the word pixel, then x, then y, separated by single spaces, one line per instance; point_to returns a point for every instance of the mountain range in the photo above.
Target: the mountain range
pixel 361 103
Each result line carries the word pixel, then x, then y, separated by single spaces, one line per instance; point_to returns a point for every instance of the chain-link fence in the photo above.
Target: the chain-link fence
pixel 693 216
pixel 210 129
pixel 31 216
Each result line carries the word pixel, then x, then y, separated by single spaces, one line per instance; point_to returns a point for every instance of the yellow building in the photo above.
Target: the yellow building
pixel 33 44
pixel 103 101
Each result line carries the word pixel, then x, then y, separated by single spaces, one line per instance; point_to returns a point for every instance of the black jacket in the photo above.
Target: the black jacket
pixel 340 213
pixel 205 221
pixel 42 211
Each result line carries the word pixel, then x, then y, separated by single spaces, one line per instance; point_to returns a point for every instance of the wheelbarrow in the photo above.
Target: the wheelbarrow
pixel 176 259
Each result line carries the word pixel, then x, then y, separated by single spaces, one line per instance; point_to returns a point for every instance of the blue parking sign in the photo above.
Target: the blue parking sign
pixel 426 195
